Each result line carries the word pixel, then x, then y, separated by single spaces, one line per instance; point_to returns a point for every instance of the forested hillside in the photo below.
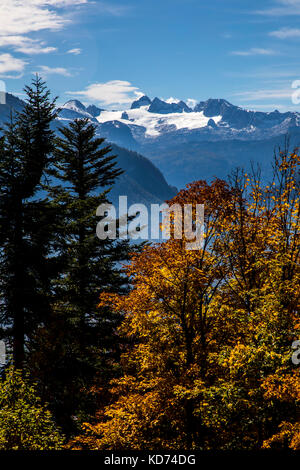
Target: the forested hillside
pixel 116 346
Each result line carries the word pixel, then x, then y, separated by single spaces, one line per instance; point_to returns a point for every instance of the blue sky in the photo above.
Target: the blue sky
pixel 109 52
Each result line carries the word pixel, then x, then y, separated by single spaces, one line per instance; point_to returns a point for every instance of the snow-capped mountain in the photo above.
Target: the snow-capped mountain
pixel 188 143
pixel 148 120
pixel 157 119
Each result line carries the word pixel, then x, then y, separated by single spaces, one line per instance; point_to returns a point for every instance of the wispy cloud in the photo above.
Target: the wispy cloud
pixel 114 10
pixel 286 33
pixel 191 102
pixel 226 35
pixel 266 107
pixel 171 100
pixel 20 18
pixel 282 8
pixel 115 92
pixel 45 71
pixel 266 75
pixel 254 51
pixel 265 94
pixel 23 17
pixel 75 51
pixel 9 64
pixel 25 45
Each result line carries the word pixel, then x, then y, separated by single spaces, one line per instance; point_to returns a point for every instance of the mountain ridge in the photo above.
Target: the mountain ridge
pixel 207 140
pixel 201 143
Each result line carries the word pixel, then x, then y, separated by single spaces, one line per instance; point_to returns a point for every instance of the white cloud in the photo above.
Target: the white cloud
pixel 61 3
pixel 265 94
pixel 113 93
pixel 191 102
pixel 282 8
pixel 25 45
pixel 266 107
pixel 45 70
pixel 19 18
pixel 278 72
pixel 115 10
pixel 9 64
pixel 286 33
pixel 36 49
pixel 172 100
pixel 254 51
pixel 26 16
pixel 75 51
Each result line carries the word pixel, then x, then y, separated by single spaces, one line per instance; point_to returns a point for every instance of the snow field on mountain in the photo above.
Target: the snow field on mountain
pixel 155 123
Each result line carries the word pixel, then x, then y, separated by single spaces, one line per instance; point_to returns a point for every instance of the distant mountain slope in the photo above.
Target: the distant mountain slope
pixel 190 161
pixel 142 182
pixel 12 103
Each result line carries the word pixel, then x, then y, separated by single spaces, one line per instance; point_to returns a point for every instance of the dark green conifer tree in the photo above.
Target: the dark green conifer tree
pixel 26 147
pixel 79 344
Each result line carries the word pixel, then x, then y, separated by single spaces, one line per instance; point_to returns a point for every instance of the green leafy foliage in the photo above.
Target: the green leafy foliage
pixel 25 423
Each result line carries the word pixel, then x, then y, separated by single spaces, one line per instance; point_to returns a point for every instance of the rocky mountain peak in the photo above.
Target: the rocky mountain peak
pixel 143 101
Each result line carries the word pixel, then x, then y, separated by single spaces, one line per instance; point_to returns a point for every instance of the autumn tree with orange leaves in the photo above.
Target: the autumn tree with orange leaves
pixel 207 363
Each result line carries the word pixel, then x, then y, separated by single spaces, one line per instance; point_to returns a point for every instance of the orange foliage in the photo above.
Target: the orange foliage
pixel 209 332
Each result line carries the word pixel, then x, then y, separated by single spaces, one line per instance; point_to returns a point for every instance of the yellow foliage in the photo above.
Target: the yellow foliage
pixel 209 332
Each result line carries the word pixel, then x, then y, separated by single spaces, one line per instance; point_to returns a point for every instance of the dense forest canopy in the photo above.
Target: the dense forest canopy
pixel 178 349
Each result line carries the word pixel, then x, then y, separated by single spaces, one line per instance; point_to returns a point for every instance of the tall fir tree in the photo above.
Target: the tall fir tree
pixel 67 358
pixel 26 147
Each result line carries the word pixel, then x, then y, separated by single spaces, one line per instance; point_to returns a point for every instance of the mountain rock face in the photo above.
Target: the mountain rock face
pixel 75 105
pixel 184 107
pixel 94 110
pixel 143 101
pixel 12 104
pixel 119 133
pixel 74 109
pixel 161 107
pixel 211 123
